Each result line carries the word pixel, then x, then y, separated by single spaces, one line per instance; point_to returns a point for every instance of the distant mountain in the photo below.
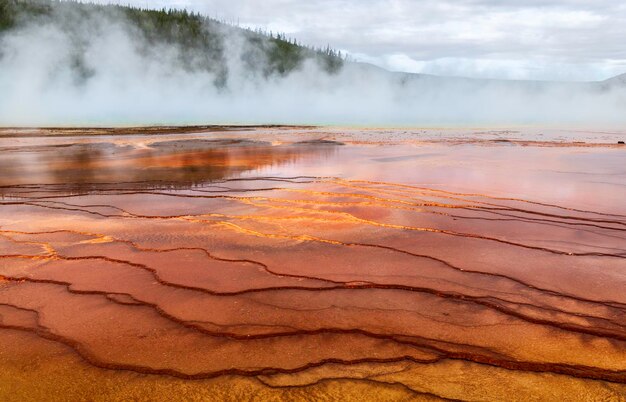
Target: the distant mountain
pixel 620 80
pixel 419 79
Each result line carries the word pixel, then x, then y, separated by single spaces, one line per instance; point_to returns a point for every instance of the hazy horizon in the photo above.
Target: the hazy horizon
pixel 97 67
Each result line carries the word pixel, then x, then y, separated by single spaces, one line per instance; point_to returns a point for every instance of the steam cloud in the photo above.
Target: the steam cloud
pixel 124 80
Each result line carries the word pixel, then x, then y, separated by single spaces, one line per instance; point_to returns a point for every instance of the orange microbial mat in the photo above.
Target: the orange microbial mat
pixel 304 263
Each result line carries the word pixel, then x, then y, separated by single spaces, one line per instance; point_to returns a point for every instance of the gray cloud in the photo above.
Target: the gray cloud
pixel 531 39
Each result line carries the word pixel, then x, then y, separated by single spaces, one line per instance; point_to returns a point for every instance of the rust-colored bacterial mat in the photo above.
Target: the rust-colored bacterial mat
pixel 224 266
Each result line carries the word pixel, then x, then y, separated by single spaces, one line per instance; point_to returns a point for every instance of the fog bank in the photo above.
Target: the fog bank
pixel 99 69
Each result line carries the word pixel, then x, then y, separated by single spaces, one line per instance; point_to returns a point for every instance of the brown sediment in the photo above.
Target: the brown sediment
pixel 12 132
pixel 204 262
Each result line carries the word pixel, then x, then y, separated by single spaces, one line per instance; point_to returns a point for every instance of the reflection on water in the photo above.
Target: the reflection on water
pixel 177 164
pixel 298 271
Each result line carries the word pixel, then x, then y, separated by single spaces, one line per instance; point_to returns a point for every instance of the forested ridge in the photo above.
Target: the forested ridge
pixel 199 39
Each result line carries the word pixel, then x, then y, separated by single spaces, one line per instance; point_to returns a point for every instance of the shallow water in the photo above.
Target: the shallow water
pixel 236 266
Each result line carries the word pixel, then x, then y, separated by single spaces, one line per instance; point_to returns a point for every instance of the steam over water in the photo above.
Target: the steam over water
pixel 98 69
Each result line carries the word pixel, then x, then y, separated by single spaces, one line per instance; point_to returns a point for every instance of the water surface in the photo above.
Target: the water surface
pixel 236 265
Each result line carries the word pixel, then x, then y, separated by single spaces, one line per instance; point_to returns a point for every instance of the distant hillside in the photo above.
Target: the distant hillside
pixel 620 80
pixel 199 39
pixel 67 63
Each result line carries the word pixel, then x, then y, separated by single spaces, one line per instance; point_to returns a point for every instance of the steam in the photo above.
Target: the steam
pixel 124 80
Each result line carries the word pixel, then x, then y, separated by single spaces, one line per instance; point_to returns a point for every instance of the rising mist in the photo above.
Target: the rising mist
pixel 87 65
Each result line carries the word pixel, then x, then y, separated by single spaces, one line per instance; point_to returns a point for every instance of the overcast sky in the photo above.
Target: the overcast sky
pixel 516 39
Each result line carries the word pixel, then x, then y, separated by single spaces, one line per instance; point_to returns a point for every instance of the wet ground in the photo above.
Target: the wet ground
pixel 282 263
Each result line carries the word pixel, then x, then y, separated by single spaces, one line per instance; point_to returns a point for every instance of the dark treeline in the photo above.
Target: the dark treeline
pixel 200 39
